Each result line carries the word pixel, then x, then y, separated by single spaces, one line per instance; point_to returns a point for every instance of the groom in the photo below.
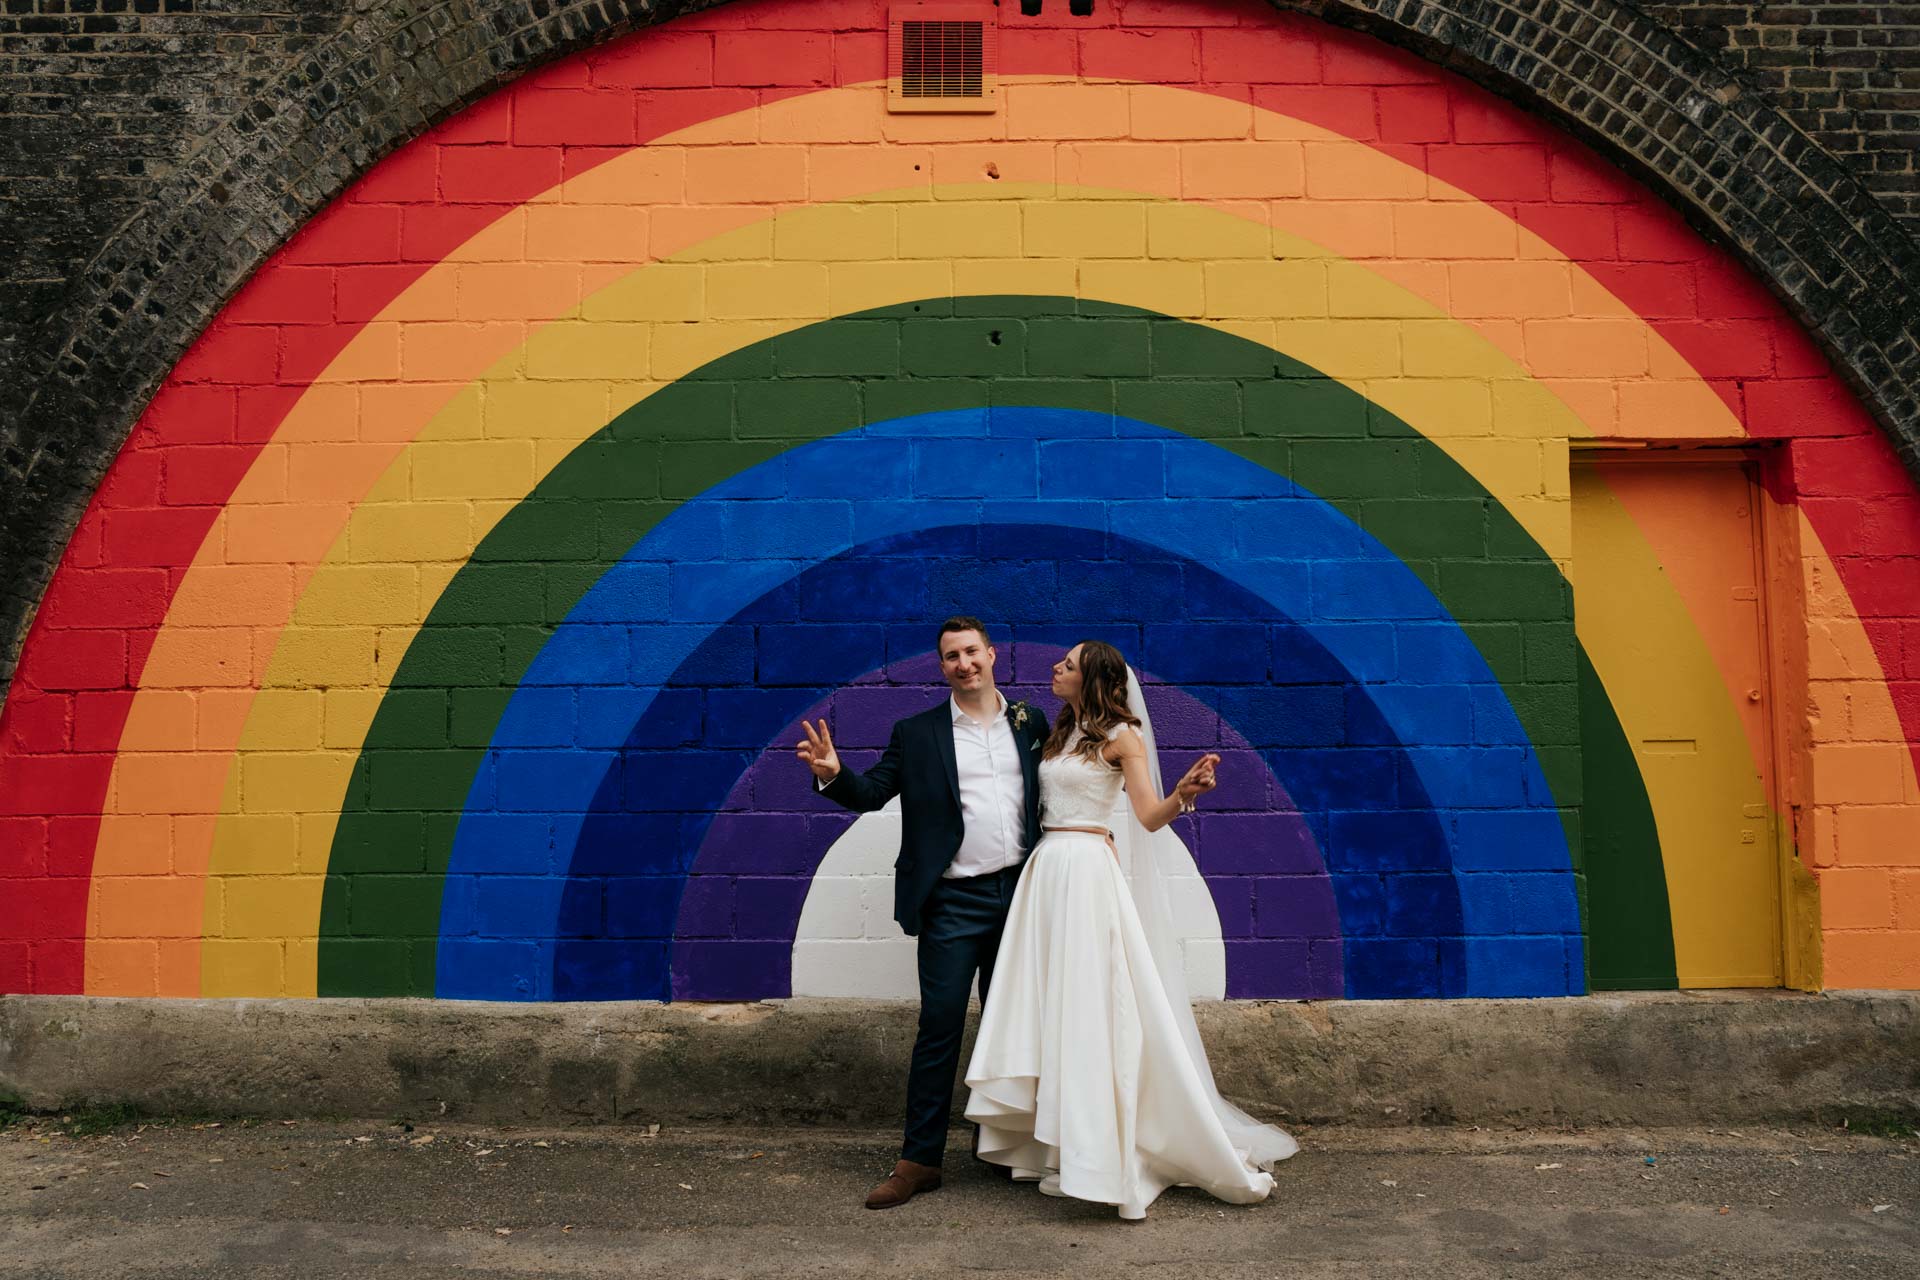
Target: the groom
pixel 966 774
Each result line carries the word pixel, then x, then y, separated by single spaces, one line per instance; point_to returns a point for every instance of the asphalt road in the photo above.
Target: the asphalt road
pixel 273 1199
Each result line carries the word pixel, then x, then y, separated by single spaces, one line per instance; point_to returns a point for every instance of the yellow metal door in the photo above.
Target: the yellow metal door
pixel 1670 604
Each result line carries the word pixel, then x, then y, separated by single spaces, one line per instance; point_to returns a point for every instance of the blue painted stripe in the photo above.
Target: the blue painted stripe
pixel 655 773
pixel 733 549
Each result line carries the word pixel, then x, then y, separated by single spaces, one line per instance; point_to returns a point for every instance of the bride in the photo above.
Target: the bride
pixel 1088 1074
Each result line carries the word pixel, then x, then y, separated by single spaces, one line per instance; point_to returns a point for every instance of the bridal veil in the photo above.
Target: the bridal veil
pixel 1150 859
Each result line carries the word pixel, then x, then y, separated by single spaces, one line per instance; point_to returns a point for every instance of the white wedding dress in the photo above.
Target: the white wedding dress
pixel 1081 1076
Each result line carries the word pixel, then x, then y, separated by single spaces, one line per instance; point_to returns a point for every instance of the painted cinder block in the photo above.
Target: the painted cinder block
pixel 1527 966
pixel 1363 903
pixel 1324 726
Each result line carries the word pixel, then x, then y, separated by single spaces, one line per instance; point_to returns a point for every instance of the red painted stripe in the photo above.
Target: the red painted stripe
pixel 232 389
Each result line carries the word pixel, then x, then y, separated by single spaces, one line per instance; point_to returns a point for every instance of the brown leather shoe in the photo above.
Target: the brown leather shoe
pixel 907 1181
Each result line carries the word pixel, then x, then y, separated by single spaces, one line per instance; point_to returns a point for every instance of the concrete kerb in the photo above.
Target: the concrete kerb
pixel 1641 1058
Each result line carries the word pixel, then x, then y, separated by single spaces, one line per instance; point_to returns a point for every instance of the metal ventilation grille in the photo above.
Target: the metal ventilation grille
pixel 943 57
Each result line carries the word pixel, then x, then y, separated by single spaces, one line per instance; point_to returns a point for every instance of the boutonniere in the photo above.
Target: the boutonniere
pixel 1017 712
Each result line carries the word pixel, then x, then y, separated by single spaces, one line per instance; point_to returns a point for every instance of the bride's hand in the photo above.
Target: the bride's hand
pixel 1199 779
pixel 817 752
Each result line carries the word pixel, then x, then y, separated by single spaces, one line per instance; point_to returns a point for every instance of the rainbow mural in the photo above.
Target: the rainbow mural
pixel 443 627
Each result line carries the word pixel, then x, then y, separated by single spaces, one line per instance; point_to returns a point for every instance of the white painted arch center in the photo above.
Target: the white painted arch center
pixel 847 943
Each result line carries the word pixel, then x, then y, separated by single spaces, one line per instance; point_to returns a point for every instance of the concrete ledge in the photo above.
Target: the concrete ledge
pixel 1644 1058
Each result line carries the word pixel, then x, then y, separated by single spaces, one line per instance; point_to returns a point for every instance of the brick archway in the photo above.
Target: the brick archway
pixel 1669 114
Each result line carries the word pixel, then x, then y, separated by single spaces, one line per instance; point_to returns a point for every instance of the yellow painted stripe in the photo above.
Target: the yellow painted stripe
pixel 364 604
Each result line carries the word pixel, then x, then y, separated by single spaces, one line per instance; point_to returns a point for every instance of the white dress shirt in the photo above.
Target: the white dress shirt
pixel 993 792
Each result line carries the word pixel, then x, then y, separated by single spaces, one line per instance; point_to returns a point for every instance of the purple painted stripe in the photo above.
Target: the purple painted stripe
pixel 741 906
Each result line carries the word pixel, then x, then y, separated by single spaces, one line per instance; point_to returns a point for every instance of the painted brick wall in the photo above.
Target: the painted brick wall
pixel 123 109
pixel 443 628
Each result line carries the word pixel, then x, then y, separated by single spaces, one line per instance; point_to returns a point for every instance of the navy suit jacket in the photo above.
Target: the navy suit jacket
pixel 920 767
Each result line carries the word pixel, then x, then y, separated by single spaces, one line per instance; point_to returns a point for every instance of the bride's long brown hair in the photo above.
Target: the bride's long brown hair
pixel 1103 702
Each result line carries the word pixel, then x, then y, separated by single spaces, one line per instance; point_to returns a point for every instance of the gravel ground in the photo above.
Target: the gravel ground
pixel 309 1198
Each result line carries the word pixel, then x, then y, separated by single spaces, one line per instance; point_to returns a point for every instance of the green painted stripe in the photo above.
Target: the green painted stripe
pixel 1629 929
pixel 426 742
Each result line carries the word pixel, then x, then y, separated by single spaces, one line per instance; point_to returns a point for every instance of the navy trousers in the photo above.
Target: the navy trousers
pixel 960 929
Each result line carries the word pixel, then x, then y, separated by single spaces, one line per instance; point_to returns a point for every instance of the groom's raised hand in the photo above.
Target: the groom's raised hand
pixel 817 753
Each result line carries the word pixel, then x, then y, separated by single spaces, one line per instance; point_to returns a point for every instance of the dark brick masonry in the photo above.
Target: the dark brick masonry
pixel 154 152
pixel 1847 74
